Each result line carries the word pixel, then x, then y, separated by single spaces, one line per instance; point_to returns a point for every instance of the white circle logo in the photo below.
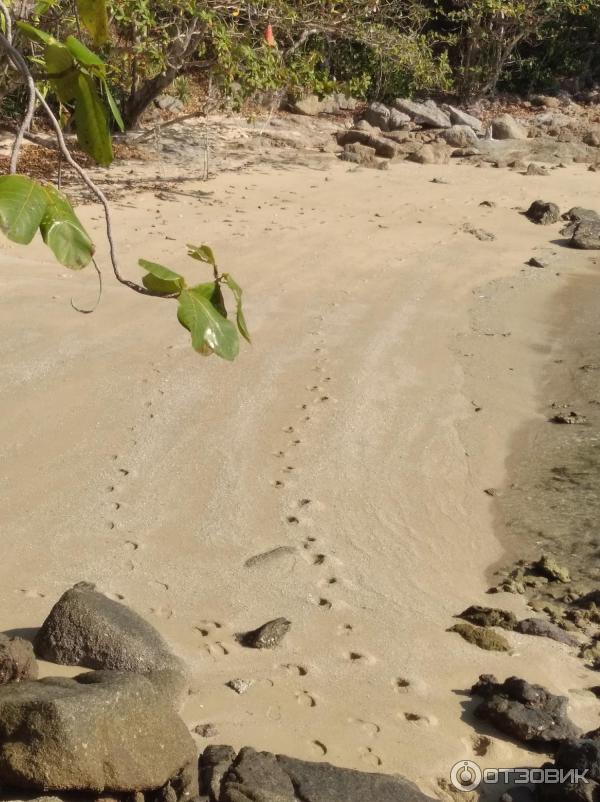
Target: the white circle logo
pixel 466 775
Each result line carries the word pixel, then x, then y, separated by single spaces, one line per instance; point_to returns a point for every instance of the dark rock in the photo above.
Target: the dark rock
pixel 423 113
pixel 85 628
pixel 567 792
pixel 17 660
pixel 264 777
pixel 545 629
pixel 268 636
pixel 571 418
pixel 535 262
pixel 528 713
pixel 578 214
pixel 257 775
pixel 102 731
pixel 214 764
pixel 582 754
pixel 489 617
pixel 481 636
pixel 543 213
pixel 586 236
pixel 206 730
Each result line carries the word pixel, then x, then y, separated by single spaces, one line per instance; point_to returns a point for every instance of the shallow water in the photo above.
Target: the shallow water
pixel 551 502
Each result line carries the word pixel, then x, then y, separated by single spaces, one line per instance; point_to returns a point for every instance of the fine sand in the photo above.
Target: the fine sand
pixel 395 357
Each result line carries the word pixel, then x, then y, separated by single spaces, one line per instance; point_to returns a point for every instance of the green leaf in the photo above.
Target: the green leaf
pixel 90 120
pixel 23 204
pixel 113 106
pixel 63 232
pixel 62 72
pixel 212 291
pixel 35 34
pixel 202 253
pixel 94 17
pixel 237 294
pixel 160 279
pixel 210 330
pixel 84 56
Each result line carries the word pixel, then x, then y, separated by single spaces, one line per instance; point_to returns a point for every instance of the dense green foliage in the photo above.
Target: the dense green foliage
pixel 369 48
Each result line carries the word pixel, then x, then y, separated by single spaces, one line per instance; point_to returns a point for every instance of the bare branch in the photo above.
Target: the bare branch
pixel 20 64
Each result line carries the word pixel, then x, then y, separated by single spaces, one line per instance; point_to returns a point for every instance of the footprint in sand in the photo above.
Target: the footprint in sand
pixel 296 670
pixel 216 649
pixel 325 604
pixel 305 699
pixel 368 756
pixel 318 748
pixel 401 685
pixel 367 727
pixel 345 629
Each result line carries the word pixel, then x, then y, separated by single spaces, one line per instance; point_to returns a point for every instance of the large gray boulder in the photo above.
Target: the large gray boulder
pixel 102 731
pixel 460 117
pixel 17 660
pixel 506 127
pixel 86 628
pixel 266 777
pixel 382 146
pixel 427 114
pixel 460 136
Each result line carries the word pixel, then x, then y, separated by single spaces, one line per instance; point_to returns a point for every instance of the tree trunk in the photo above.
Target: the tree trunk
pixel 139 99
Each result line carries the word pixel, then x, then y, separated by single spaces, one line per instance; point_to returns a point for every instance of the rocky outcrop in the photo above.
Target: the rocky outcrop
pixel 86 628
pixel 546 629
pixel 460 117
pixel 460 136
pixel 263 776
pixel 427 114
pixel 17 660
pixel 528 713
pixel 383 146
pixel 489 617
pixel 313 105
pixel 102 731
pixel 385 118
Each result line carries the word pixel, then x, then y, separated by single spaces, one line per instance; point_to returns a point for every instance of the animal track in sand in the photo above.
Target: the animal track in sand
pixel 305 699
pixel 32 594
pixel 345 629
pixel 319 559
pixel 205 627
pixel 160 585
pixel 292 668
pixel 319 749
pixel 325 604
pixel 368 727
pixel 278 484
pixel 131 545
pixel 304 502
pixel 216 649
pixel 367 755
pixel 292 519
pixel 401 685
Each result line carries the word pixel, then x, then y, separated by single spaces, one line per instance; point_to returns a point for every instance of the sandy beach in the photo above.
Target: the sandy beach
pixel 395 356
